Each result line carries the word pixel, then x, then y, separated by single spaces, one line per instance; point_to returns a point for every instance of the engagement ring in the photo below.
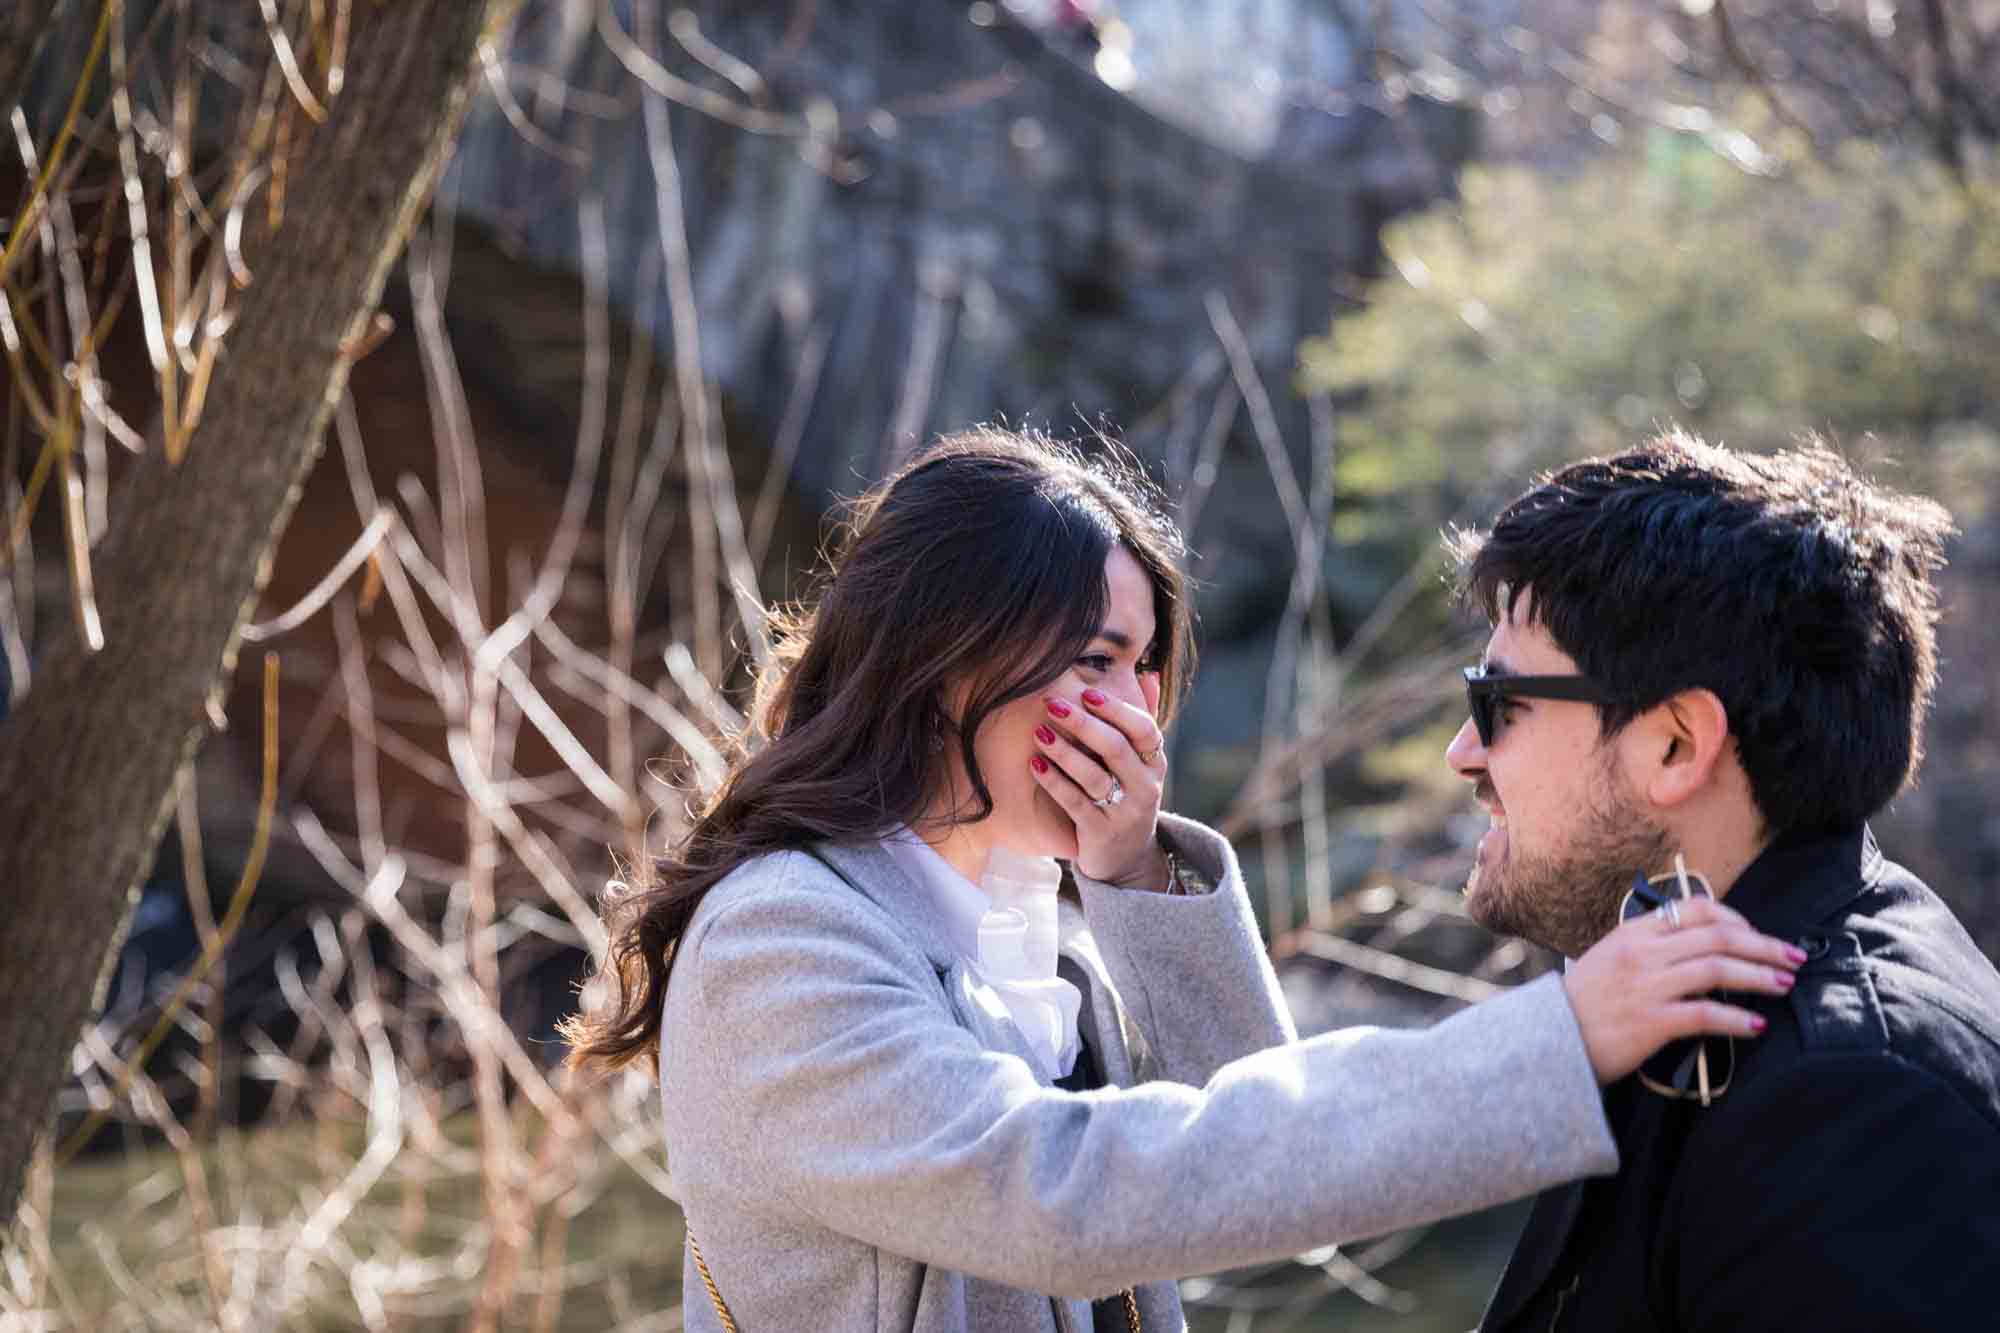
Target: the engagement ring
pixel 1112 797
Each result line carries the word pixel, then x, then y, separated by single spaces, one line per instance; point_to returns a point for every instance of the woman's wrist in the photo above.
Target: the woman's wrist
pixel 1154 874
pixel 1169 873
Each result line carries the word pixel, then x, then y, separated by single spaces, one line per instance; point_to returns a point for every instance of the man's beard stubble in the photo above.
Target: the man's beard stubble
pixel 1569 901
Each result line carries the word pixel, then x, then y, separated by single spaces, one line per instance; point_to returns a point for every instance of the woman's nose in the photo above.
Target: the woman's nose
pixel 1149 692
pixel 1123 686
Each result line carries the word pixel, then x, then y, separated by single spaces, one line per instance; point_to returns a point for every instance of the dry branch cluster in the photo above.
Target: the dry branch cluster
pixel 421 1163
pixel 166 232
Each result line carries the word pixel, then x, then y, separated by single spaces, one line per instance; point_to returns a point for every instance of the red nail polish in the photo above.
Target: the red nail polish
pixel 1045 736
pixel 1059 708
pixel 1758 1023
pixel 1041 764
pixel 1095 698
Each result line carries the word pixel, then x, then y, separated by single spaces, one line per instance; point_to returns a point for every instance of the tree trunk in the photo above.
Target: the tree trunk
pixel 88 761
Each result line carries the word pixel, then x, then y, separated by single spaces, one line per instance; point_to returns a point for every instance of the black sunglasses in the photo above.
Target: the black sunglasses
pixel 1483 694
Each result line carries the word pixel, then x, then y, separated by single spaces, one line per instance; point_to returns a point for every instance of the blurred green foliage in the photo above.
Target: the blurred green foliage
pixel 1541 318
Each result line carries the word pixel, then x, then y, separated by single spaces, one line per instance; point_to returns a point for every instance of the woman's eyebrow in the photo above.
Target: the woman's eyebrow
pixel 1117 638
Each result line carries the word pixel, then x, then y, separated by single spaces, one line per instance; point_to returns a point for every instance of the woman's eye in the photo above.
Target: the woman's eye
pixel 1096 661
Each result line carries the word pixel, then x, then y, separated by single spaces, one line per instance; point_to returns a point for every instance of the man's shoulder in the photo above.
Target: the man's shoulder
pixel 1894 995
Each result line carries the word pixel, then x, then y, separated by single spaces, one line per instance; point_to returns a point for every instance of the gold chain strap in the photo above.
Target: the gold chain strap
pixel 729 1324
pixel 708 1280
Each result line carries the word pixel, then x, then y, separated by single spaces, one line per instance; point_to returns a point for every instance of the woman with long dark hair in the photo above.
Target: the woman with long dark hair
pixel 911 1084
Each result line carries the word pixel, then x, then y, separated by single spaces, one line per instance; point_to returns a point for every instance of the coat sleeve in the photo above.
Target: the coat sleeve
pixel 1193 970
pixel 809 1027
pixel 1852 1192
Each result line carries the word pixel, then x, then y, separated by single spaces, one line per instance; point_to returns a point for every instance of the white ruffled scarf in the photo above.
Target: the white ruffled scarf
pixel 1043 1005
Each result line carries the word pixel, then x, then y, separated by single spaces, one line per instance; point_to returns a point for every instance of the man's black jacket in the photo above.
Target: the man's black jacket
pixel 1850 1177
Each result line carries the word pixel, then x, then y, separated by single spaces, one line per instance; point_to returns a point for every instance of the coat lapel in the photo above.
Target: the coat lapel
pixel 981 1012
pixel 1535 1254
pixel 1125 1058
pixel 1115 1039
pixel 1121 1049
pixel 874 874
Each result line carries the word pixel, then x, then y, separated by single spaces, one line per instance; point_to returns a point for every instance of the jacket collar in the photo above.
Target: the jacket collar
pixel 872 870
pixel 1794 884
pixel 954 897
pixel 1801 880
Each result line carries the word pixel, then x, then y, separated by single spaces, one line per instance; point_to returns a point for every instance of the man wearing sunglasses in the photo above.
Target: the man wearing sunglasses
pixel 1725 660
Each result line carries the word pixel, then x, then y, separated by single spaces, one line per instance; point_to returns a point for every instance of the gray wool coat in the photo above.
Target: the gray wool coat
pixel 861 1141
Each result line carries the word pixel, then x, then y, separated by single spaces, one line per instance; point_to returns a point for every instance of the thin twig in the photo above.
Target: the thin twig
pixel 1281 680
pixel 710 483
pixel 461 488
pixel 39 193
pixel 665 83
pixel 685 28
pixel 785 444
pixel 323 592
pixel 503 97
pixel 937 289
pixel 281 45
pixel 358 703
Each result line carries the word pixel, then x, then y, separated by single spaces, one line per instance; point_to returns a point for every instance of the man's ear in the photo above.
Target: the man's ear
pixel 1678 744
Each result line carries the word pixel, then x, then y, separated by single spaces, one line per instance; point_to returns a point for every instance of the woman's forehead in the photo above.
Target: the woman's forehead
pixel 1128 611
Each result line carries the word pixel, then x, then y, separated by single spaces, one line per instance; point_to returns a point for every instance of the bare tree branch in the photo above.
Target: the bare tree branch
pixel 88 762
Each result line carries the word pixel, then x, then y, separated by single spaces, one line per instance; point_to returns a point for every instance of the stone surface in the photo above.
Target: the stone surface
pixel 957 219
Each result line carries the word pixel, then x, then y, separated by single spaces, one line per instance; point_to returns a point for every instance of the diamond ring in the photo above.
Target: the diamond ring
pixel 1112 797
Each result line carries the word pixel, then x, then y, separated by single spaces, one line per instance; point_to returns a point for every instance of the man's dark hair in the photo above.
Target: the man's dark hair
pixel 1795 590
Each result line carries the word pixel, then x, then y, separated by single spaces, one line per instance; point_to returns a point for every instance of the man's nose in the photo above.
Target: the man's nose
pixel 1465 754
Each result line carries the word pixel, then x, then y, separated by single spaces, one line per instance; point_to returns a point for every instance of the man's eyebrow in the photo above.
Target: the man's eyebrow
pixel 1496 666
